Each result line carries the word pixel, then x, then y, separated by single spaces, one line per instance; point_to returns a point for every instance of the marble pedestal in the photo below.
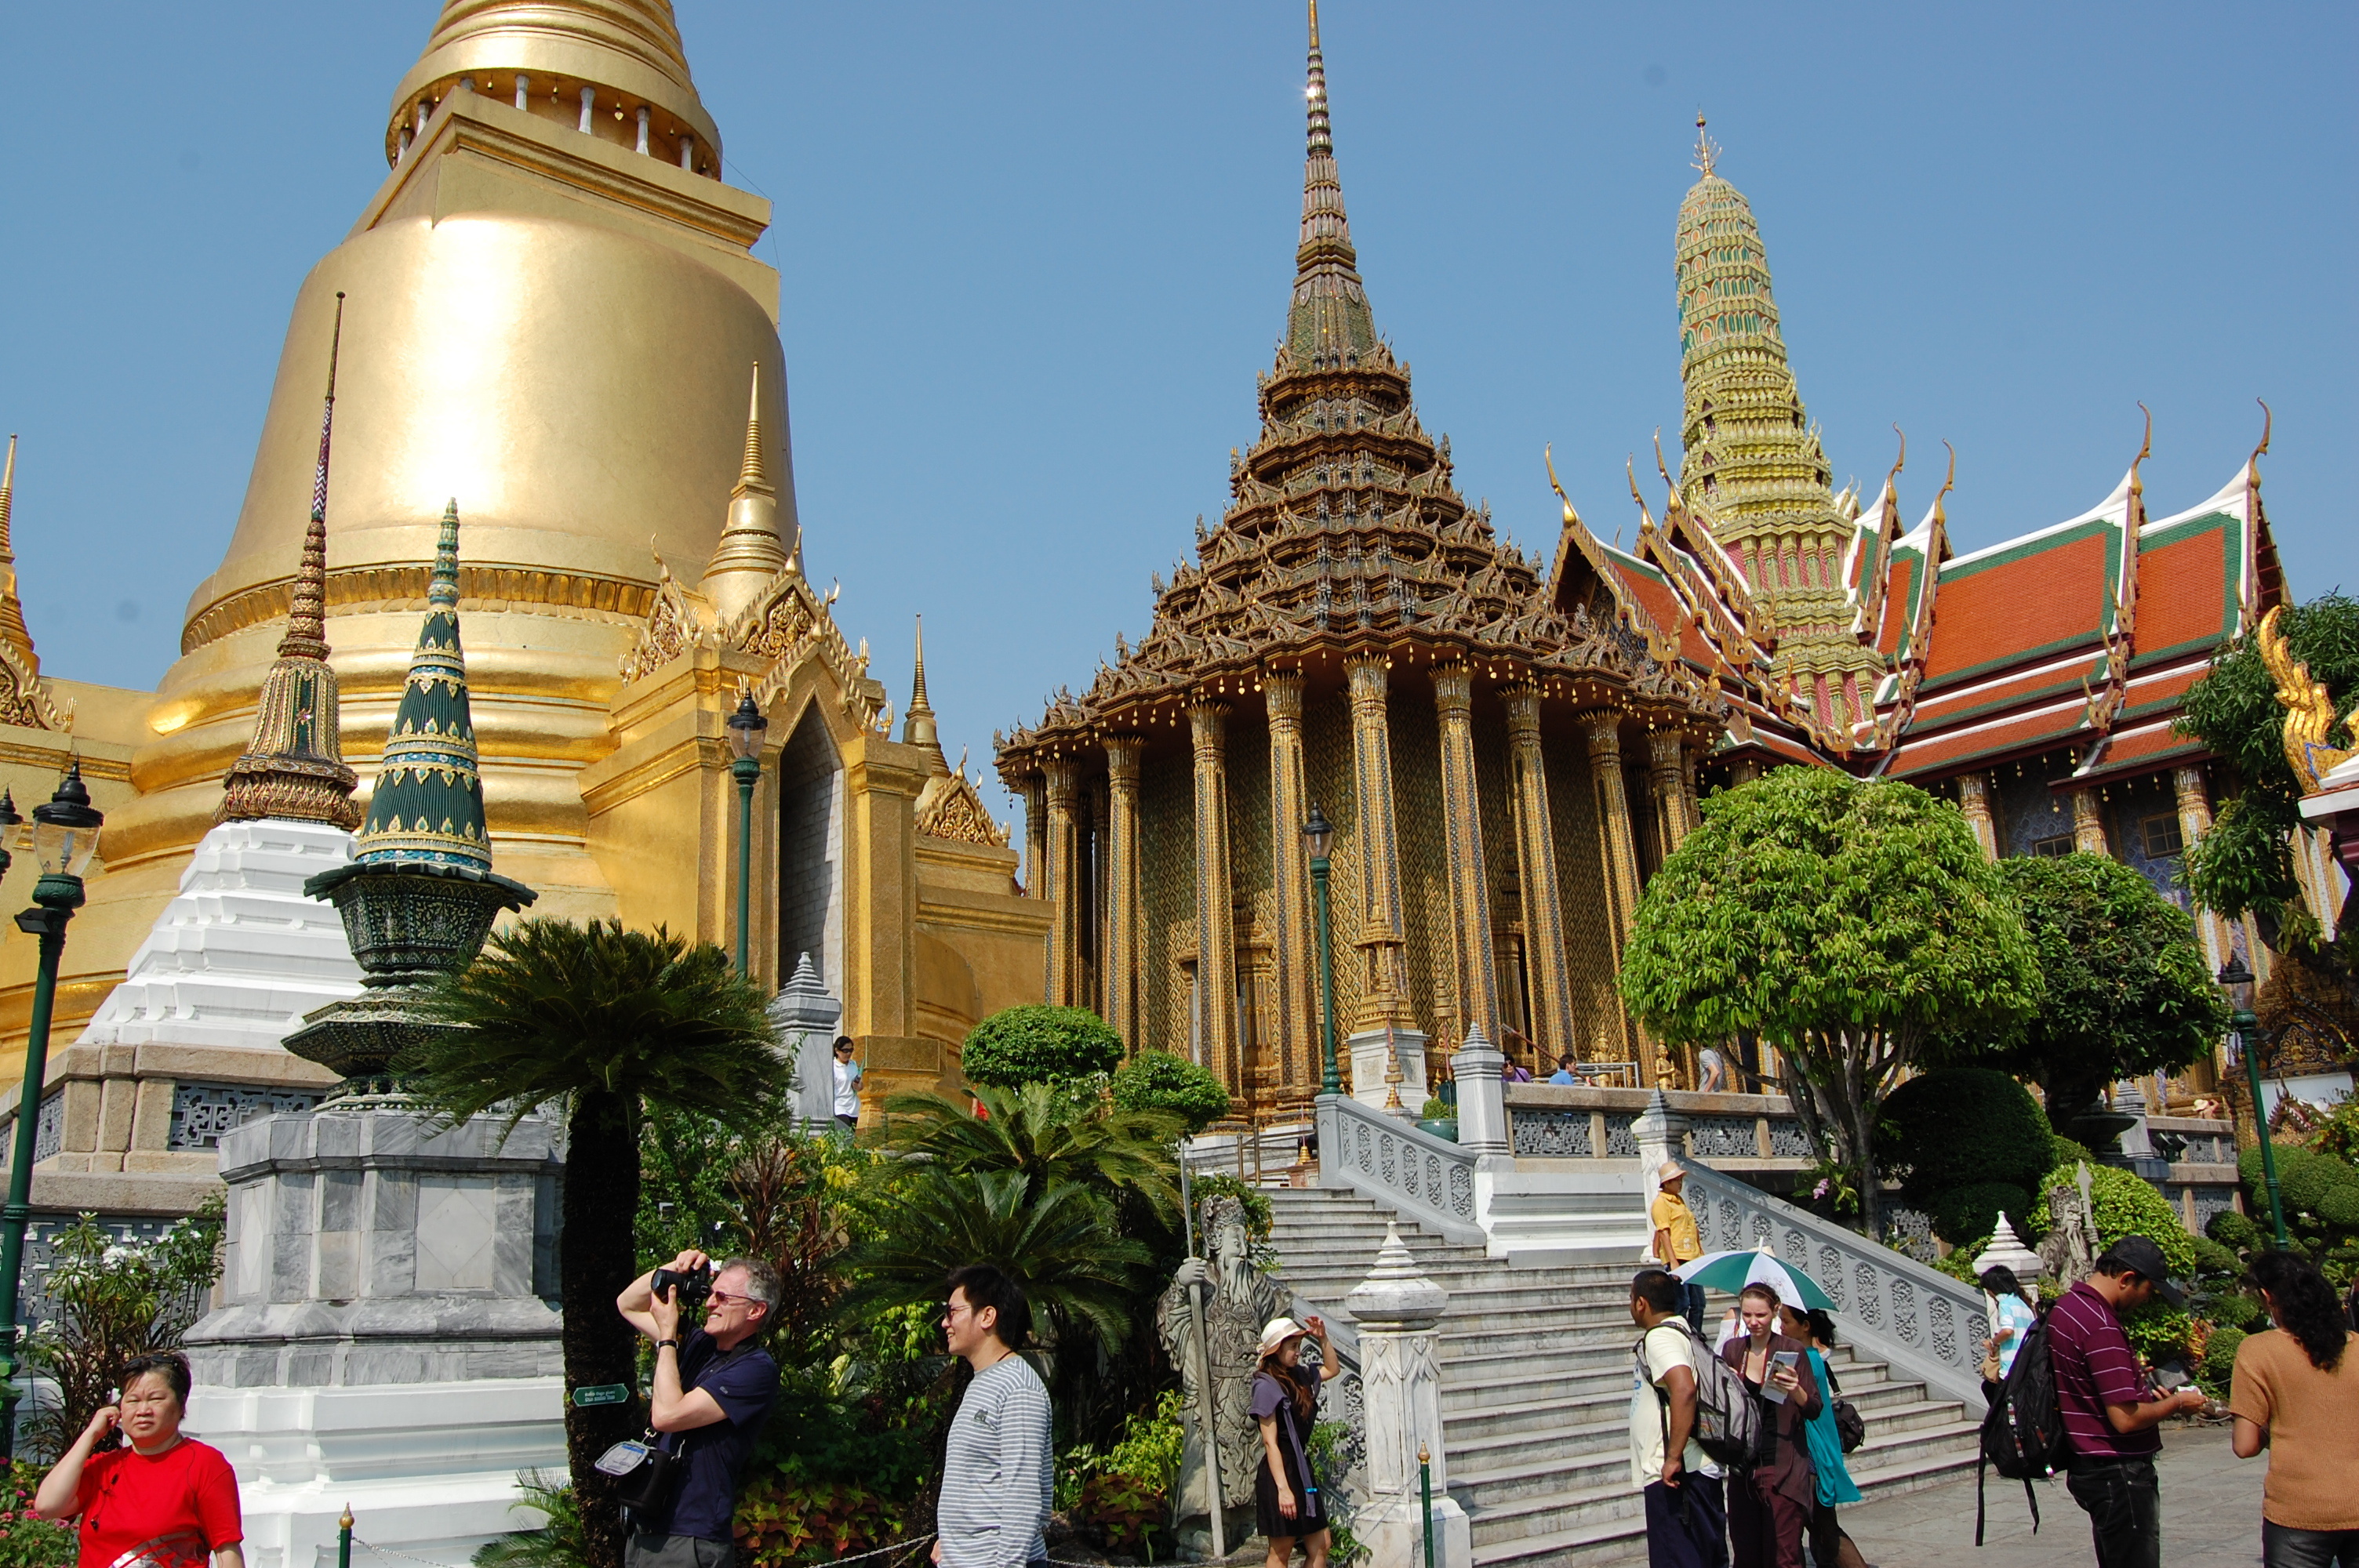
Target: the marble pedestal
pixel 388 1333
pixel 805 1018
pixel 1371 1051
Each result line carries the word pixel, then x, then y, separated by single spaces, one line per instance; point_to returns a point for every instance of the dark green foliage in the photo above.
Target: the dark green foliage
pixel 1042 1133
pixel 558 1541
pixel 1039 1044
pixel 1969 1142
pixel 1260 1217
pixel 2242 863
pixel 2233 1231
pixel 1963 1214
pixel 1844 921
pixel 2321 1194
pixel 1157 1080
pixel 2220 1359
pixel 2212 1258
pixel 2127 990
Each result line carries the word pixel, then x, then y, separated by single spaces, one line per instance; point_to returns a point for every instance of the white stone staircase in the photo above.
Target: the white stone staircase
pixel 1536 1372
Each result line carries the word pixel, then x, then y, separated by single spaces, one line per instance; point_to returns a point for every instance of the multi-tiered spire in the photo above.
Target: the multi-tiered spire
pixel 295 771
pixel 13 631
pixel 1330 324
pixel 428 804
pixel 752 550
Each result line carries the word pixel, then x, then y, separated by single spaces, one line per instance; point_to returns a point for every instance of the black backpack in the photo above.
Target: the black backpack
pixel 2023 1434
pixel 1727 1417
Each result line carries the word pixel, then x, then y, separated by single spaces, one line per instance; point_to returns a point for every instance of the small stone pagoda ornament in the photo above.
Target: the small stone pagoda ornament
pixel 420 896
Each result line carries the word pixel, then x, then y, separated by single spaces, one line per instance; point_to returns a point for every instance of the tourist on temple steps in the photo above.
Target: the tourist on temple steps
pixel 998 1481
pixel 2010 1314
pixel 1769 1507
pixel 2109 1408
pixel 1687 1512
pixel 2295 1393
pixel 166 1501
pixel 1288 1507
pixel 711 1393
pixel 1677 1242
pixel 1829 1547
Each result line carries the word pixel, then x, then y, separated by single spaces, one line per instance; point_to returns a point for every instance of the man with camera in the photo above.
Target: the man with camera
pixel 715 1385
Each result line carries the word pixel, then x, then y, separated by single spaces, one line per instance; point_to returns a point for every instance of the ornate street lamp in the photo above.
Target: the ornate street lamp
pixel 1319 836
pixel 2238 982
pixel 65 835
pixel 747 727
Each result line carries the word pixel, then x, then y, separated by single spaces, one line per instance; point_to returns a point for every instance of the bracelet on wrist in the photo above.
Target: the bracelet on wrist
pixel 667 1344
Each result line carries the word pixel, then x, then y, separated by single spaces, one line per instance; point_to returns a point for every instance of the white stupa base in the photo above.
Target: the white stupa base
pixel 429 1469
pixel 1393 1530
pixel 240 954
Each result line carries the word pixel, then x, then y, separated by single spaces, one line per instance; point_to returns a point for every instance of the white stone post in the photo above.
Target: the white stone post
pixel 1399 1314
pixel 805 1018
pixel 1662 1134
pixel 1481 1099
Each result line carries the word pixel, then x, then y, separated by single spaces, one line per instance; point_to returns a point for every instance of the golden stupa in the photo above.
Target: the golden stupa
pixel 551 308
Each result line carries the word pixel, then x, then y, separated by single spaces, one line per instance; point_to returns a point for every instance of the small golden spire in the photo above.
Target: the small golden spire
pixel 917 728
pixel 12 630
pixel 1707 150
pixel 751 477
pixel 7 495
pixel 1314 24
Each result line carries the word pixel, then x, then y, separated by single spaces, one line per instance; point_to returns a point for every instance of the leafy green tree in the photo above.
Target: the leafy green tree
pixel 1970 1144
pixel 2246 862
pixel 1157 1080
pixel 1841 920
pixel 1042 1133
pixel 2126 989
pixel 604 1023
pixel 1039 1044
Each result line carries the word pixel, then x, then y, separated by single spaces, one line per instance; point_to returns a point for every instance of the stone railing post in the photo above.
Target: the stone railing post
pixel 1482 1100
pixel 1399 1315
pixel 1662 1134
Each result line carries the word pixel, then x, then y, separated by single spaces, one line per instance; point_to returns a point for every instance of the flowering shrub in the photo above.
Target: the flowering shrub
pixel 781 1520
pixel 27 1542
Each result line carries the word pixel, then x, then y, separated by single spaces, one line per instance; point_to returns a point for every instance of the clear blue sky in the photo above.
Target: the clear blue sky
pixel 1034 256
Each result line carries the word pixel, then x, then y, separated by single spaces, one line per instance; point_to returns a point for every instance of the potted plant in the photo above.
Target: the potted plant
pixel 1439 1118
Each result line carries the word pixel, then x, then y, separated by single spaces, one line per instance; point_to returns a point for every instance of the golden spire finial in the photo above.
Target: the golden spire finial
pixel 7 496
pixel 918 687
pixel 1707 150
pixel 1314 24
pixel 13 629
pixel 751 476
pixel 918 727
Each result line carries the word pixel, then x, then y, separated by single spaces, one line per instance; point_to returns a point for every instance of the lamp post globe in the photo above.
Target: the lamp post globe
pixel 746 729
pixel 2237 981
pixel 65 836
pixel 1319 838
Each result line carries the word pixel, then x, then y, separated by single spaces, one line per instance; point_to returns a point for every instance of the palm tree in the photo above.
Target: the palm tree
pixel 1059 1242
pixel 1046 1134
pixel 604 1022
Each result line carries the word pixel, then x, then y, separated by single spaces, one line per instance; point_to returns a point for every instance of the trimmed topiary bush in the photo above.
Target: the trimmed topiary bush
pixel 1157 1080
pixel 2126 1205
pixel 2220 1359
pixel 1019 1045
pixel 2233 1231
pixel 2315 1186
pixel 1969 1142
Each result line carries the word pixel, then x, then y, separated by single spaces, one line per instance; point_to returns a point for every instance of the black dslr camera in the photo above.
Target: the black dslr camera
pixel 691 1287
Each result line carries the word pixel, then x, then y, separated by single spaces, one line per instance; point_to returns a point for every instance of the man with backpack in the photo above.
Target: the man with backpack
pixel 1670 1411
pixel 2107 1406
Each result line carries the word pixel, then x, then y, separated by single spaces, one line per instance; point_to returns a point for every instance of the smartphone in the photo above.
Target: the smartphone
pixel 1769 1390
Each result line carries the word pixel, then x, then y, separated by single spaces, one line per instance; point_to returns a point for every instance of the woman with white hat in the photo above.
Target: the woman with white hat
pixel 1288 1507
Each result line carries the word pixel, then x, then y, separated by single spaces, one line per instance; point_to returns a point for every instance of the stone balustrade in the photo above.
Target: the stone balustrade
pixel 1744 1133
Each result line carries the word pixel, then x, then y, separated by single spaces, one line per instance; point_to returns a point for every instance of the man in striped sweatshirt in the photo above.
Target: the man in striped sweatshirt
pixel 997 1483
pixel 2110 1408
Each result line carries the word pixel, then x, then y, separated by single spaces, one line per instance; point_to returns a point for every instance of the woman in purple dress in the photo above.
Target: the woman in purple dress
pixel 1289 1506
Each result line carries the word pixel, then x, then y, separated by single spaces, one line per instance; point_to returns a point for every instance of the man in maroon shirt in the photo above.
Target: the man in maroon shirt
pixel 2109 1407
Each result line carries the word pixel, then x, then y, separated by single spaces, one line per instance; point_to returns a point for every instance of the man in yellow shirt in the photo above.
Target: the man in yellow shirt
pixel 1676 1240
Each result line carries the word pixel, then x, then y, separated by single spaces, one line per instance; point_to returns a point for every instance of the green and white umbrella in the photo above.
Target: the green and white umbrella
pixel 1731 1271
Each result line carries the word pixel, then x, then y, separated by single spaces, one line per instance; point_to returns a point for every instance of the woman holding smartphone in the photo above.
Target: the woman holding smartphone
pixel 166 1501
pixel 1287 1504
pixel 1769 1506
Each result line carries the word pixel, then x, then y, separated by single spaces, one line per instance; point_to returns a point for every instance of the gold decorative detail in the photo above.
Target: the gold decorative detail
pixel 23 699
pixel 2310 718
pixel 950 807
pixel 673 626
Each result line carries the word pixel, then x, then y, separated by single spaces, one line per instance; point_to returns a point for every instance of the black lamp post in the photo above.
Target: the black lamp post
pixel 2238 981
pixel 747 727
pixel 65 835
pixel 1318 835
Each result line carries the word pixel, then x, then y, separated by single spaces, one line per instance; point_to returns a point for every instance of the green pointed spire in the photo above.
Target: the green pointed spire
pixel 428 804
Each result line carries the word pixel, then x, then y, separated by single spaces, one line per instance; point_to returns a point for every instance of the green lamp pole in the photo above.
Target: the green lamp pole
pixel 1319 834
pixel 65 833
pixel 747 727
pixel 2238 981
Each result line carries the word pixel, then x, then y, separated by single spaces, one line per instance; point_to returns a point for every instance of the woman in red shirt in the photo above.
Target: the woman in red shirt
pixel 166 1501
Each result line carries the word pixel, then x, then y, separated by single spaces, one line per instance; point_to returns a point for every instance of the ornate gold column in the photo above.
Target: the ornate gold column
pixel 1470 884
pixel 1385 997
pixel 2194 821
pixel 2088 824
pixel 1064 882
pixel 1120 961
pixel 1618 851
pixel 1549 975
pixel 1297 1008
pixel 1216 933
pixel 1973 799
pixel 1667 780
pixel 1036 868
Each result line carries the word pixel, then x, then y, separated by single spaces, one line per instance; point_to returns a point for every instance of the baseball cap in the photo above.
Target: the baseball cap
pixel 2142 1253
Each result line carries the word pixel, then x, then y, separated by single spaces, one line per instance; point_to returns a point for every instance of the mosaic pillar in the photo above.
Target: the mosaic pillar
pixel 1470 881
pixel 1120 961
pixel 1550 976
pixel 1064 882
pixel 1036 865
pixel 1618 852
pixel 1385 997
pixel 1096 799
pixel 1666 782
pixel 2088 824
pixel 1293 961
pixel 1973 799
pixel 1216 935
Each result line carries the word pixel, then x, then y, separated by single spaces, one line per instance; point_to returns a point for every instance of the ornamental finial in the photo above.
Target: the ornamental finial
pixel 1707 150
